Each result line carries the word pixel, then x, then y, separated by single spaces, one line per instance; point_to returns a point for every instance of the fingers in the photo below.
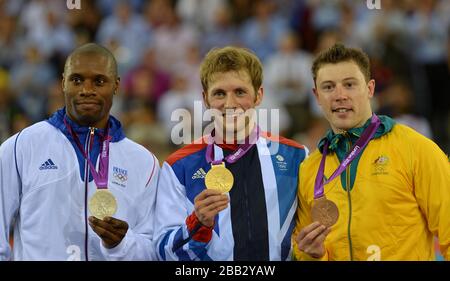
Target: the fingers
pixel 211 210
pixel 102 230
pixel 320 239
pixel 207 193
pixel 208 204
pixel 118 224
pixel 109 228
pixel 307 229
pixel 109 239
pixel 208 200
pixel 311 239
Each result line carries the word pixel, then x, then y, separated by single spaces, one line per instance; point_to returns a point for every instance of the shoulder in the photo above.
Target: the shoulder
pixel 403 134
pixel 186 151
pixel 134 150
pixel 34 134
pixel 282 140
pixel 312 161
pixel 405 138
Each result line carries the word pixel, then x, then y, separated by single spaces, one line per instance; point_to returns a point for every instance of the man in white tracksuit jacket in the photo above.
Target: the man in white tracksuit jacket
pixel 46 182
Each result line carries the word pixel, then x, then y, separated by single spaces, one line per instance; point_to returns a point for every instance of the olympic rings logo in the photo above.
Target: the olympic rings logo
pixel 120 176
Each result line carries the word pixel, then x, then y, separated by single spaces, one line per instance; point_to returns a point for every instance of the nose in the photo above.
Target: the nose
pixel 230 101
pixel 88 88
pixel 340 93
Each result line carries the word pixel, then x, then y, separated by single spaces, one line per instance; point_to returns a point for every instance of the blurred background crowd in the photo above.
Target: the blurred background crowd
pixel 159 45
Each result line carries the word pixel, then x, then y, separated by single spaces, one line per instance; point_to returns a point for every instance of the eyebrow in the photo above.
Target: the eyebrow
pixel 345 79
pixel 243 89
pixel 99 75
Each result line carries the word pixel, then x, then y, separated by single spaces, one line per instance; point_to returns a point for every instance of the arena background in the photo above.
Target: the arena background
pixel 159 45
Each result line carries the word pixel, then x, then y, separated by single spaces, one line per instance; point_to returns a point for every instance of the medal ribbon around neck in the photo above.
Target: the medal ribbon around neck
pixel 219 177
pixel 233 157
pixel 100 177
pixel 366 136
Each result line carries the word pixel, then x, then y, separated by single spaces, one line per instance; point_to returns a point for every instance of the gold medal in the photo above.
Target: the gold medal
pixel 102 204
pixel 324 211
pixel 219 178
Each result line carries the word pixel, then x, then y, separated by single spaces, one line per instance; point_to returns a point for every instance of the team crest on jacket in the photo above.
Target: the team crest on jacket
pixel 379 166
pixel 282 165
pixel 120 176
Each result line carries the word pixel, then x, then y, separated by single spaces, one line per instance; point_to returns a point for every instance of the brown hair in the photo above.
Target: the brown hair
pixel 339 53
pixel 226 59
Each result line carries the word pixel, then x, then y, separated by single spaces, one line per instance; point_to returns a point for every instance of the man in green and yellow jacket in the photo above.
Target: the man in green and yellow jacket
pixel 392 194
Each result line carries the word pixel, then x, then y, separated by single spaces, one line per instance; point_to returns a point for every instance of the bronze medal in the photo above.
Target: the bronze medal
pixel 102 204
pixel 324 211
pixel 219 178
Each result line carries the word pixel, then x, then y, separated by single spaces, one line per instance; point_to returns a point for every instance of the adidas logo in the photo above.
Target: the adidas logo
pixel 200 174
pixel 48 165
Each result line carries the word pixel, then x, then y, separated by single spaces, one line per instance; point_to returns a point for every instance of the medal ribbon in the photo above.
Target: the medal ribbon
pixel 232 158
pixel 100 177
pixel 368 133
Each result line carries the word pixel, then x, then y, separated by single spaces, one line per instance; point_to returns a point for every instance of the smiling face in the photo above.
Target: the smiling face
pixel 234 98
pixel 344 95
pixel 89 83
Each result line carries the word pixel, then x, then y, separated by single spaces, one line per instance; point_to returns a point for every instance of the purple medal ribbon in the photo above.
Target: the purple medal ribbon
pixel 366 136
pixel 232 158
pixel 100 177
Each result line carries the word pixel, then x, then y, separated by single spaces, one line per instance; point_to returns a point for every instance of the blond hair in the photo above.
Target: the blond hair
pixel 219 60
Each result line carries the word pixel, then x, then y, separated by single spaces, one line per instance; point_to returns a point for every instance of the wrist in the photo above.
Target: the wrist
pixel 201 233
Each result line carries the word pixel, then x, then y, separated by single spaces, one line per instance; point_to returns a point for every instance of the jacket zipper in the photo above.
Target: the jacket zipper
pixel 348 188
pixel 86 181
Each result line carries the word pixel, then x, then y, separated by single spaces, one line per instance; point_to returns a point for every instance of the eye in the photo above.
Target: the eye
pixel 240 92
pixel 100 81
pixel 76 80
pixel 349 84
pixel 219 94
pixel 327 87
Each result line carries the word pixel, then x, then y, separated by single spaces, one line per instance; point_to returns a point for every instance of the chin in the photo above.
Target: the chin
pixel 88 120
pixel 343 126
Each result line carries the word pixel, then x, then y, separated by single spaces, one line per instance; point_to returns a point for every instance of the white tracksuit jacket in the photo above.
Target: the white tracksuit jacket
pixel 45 185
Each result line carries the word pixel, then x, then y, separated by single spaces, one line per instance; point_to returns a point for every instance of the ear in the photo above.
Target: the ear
pixel 371 88
pixel 259 96
pixel 205 99
pixel 63 82
pixel 116 88
pixel 316 94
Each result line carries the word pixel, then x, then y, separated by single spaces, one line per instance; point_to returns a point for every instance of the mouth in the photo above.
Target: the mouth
pixel 341 110
pixel 233 115
pixel 88 105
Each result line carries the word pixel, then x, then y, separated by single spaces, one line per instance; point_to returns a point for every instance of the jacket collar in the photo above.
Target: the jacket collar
pixel 334 139
pixel 57 120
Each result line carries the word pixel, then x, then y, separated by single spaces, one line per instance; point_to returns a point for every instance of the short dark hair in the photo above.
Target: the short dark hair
pixel 94 49
pixel 339 53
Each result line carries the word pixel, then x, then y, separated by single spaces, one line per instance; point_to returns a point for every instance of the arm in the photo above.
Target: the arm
pixel 308 237
pixel 138 243
pixel 10 188
pixel 177 219
pixel 431 180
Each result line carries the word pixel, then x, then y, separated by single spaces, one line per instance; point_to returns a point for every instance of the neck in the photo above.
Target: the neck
pixel 99 125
